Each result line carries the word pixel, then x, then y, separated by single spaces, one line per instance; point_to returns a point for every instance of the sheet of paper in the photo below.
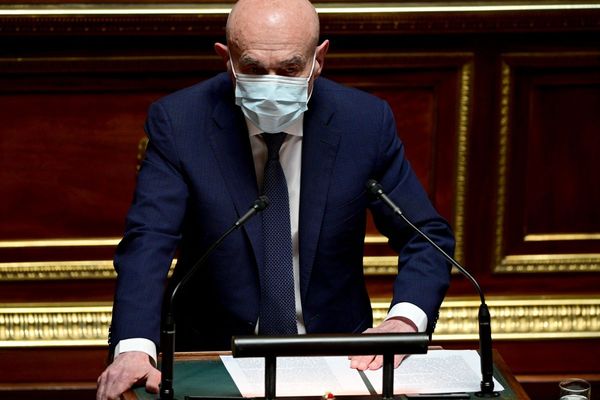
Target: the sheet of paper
pixel 297 376
pixel 438 371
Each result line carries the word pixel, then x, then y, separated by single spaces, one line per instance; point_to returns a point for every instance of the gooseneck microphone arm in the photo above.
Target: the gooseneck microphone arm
pixel 168 331
pixel 485 330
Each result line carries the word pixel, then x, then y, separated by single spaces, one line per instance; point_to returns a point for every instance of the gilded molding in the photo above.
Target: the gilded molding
pixel 466 78
pixel 103 269
pixel 382 265
pixel 344 18
pixel 505 93
pixel 224 8
pixel 549 263
pixel 55 270
pixel 529 263
pixel 375 239
pixel 77 242
pixel 59 270
pixel 513 318
pixel 546 237
pixel 46 325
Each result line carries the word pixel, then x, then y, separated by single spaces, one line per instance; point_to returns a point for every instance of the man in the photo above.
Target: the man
pixel 210 156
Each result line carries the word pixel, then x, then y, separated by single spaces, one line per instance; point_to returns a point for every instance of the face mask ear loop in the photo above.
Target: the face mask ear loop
pixel 312 69
pixel 231 63
pixel 310 76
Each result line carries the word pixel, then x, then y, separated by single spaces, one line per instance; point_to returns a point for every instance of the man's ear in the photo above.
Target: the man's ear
pixel 223 52
pixel 320 57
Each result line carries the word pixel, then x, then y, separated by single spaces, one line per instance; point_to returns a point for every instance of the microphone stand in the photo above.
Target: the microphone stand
pixel 168 331
pixel 485 329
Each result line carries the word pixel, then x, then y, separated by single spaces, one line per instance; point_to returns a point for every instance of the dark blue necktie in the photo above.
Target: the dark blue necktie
pixel 277 305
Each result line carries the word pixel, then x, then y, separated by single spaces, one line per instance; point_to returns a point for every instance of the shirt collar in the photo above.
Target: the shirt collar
pixel 295 129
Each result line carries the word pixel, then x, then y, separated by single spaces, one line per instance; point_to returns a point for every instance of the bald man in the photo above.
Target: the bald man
pixel 204 167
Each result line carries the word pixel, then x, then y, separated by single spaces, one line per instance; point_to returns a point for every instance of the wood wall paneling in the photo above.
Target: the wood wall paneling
pixel 429 95
pixel 497 109
pixel 549 221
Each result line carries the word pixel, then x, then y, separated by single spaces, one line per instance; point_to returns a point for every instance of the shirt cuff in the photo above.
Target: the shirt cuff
pixel 137 344
pixel 410 311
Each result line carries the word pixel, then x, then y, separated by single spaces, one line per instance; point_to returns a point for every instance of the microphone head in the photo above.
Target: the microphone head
pixel 374 187
pixel 261 203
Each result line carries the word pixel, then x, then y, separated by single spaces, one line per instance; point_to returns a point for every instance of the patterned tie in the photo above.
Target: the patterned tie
pixel 277 306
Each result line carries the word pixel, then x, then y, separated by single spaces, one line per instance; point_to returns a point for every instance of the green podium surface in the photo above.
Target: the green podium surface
pixel 203 374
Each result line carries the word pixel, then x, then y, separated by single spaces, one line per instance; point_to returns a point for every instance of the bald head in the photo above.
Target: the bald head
pixel 277 37
pixel 271 21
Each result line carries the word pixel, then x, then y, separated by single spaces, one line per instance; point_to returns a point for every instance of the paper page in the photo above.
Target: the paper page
pixel 439 371
pixel 296 376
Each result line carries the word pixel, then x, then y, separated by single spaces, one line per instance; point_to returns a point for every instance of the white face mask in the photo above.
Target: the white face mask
pixel 272 102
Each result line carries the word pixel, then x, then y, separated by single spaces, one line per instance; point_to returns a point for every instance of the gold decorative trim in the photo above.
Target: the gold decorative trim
pixel 549 263
pixel 343 17
pixel 466 78
pixel 108 241
pixel 522 318
pixel 561 236
pixel 513 318
pixel 505 93
pixel 103 269
pixel 382 265
pixel 47 325
pixel 54 270
pixel 529 263
pixel 223 9
pixel 59 270
pixel 375 239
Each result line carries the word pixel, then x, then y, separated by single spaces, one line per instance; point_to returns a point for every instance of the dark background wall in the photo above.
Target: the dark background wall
pixel 499 110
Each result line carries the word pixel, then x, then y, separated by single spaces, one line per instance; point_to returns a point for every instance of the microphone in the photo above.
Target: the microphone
pixel 485 330
pixel 168 331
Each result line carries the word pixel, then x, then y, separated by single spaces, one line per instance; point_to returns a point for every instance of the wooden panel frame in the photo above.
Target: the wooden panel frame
pixel 504 262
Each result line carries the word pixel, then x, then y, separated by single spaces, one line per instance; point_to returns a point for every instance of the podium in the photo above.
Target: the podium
pixel 203 374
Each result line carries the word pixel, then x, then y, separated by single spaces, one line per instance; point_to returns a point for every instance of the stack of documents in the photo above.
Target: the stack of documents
pixel 439 371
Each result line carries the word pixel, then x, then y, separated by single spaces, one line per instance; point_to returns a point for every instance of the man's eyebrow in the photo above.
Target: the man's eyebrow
pixel 248 60
pixel 294 60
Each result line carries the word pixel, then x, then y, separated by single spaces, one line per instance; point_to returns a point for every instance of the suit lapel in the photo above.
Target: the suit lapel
pixel 231 146
pixel 319 149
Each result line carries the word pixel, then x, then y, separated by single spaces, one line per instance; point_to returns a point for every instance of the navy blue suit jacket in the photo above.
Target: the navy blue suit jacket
pixel 198 178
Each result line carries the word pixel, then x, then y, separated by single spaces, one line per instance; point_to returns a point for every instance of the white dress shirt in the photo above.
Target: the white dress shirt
pixel 290 157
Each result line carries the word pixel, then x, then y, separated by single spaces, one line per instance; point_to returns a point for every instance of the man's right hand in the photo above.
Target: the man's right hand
pixel 126 370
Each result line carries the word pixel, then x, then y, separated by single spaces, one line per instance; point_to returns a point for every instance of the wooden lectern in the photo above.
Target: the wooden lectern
pixel 203 374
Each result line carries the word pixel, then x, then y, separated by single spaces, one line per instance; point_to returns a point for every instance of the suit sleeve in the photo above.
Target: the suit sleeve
pixel 423 274
pixel 152 234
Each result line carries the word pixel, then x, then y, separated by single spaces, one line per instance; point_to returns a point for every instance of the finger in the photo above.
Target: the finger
pixel 376 363
pixel 361 363
pixel 117 384
pixel 153 381
pixel 398 358
pixel 101 391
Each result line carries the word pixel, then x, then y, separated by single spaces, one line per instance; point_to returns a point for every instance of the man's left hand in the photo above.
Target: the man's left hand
pixel 392 325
